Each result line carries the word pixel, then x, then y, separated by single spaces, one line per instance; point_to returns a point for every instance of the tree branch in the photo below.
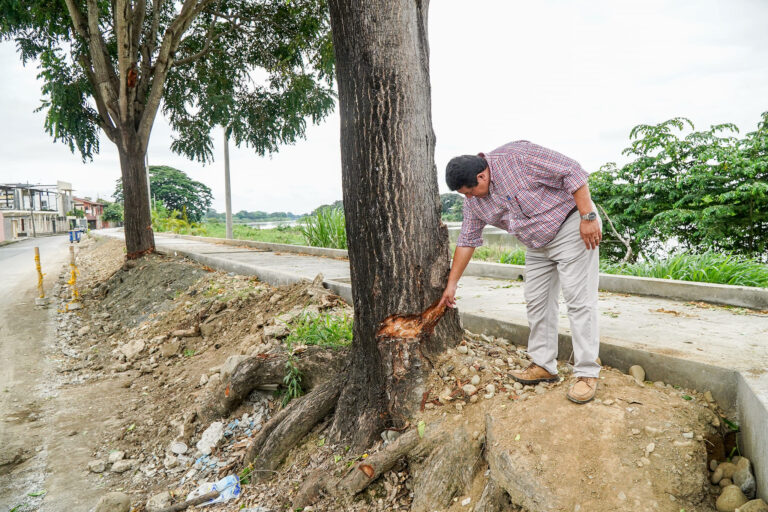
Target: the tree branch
pixel 189 11
pixel 617 235
pixel 106 123
pixel 81 27
pixel 122 17
pixel 206 46
pixel 102 66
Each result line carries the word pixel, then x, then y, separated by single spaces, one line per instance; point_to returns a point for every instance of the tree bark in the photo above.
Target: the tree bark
pixel 398 246
pixel 139 237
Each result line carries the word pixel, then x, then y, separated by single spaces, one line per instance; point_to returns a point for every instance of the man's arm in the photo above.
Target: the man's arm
pixel 589 229
pixel 461 257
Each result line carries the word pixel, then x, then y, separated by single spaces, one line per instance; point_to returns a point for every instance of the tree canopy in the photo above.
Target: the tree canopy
pixel 705 191
pixel 176 190
pixel 260 68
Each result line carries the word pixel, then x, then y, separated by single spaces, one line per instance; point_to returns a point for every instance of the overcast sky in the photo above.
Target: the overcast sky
pixel 574 76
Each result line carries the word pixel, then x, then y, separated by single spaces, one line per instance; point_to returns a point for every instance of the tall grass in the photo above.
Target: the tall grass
pixel 325 228
pixel 278 235
pixel 321 329
pixel 709 267
pixel 174 221
pixel 498 254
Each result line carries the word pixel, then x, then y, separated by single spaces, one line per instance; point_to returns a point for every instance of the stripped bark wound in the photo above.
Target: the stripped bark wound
pixel 400 340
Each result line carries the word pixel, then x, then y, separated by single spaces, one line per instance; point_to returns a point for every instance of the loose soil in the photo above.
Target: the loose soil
pixel 154 338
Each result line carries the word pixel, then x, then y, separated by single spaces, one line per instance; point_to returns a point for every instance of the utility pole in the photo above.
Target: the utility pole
pixel 227 187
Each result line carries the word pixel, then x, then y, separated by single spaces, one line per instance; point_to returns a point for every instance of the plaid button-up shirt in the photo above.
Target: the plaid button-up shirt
pixel 530 195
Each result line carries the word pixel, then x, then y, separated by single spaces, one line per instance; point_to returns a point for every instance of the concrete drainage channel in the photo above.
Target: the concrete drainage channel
pixel 743 395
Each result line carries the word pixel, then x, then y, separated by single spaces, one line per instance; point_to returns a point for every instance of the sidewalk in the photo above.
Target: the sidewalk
pixel 716 348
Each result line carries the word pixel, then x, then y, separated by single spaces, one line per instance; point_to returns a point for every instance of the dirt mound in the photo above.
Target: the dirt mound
pixel 195 351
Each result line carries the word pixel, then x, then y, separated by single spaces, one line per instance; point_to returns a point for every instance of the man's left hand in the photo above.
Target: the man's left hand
pixel 591 233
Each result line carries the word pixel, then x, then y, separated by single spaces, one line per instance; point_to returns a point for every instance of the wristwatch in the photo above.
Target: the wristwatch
pixel 589 216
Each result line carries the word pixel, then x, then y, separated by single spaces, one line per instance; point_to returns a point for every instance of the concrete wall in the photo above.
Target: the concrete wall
pixel 2 228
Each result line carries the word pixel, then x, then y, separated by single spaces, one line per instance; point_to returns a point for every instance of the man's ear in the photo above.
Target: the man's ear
pixel 484 175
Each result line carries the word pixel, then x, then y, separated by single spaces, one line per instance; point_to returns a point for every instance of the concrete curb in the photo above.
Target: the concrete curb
pixel 740 296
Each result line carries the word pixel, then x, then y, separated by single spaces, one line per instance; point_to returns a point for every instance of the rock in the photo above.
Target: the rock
pixel 114 502
pixel 717 475
pixel 712 465
pixel 83 330
pixel 97 466
pixel 170 348
pixel 728 469
pixel 466 501
pixel 121 466
pixel 744 479
pixel 649 449
pixel 741 462
pixel 475 380
pixel 708 397
pixel 688 435
pixel 651 430
pixel 132 349
pixel 276 331
pixel 659 384
pixel 210 438
pixel 203 380
pixel 159 502
pixel 518 386
pixel 207 329
pixel 462 349
pixel 469 389
pixel 116 456
pixel 638 373
pixel 490 390
pixel 186 333
pixel 715 422
pixel 754 506
pixel 229 366
pixel 170 461
pixel 725 482
pixel 730 499
pixel 74 306
pixel 474 398
pixel 540 390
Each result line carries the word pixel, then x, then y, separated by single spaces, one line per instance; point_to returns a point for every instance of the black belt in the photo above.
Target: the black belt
pixel 575 209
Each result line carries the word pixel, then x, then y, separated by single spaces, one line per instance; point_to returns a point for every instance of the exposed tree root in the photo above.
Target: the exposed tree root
pixel 446 470
pixel 317 365
pixel 289 426
pixel 494 498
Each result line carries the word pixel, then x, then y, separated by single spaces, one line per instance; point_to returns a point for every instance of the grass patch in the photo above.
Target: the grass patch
pixel 292 381
pixel 325 228
pixel 324 330
pixel 709 267
pixel 279 235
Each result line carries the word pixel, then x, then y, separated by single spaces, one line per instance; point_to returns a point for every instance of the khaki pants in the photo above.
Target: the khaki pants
pixel 565 262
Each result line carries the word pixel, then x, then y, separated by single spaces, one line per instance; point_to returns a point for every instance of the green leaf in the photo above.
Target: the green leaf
pixel 336 458
pixel 421 427
pixel 321 442
pixel 131 427
pixel 687 397
pixel 37 493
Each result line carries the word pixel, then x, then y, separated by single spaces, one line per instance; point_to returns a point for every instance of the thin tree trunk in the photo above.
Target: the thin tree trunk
pixel 139 238
pixel 398 246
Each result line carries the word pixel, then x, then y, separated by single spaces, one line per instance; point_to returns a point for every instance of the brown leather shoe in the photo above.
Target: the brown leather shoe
pixel 583 390
pixel 533 375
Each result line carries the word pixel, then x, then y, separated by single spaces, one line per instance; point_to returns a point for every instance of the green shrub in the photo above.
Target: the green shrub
pixel 325 228
pixel 321 329
pixel 709 267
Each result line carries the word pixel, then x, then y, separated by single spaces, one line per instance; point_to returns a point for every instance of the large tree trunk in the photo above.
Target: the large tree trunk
pixel 398 247
pixel 139 238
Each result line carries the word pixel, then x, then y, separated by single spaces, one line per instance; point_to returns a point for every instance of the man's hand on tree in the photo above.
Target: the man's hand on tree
pixel 449 296
pixel 591 233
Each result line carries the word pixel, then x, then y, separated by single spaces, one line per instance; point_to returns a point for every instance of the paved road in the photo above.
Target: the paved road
pixel 26 333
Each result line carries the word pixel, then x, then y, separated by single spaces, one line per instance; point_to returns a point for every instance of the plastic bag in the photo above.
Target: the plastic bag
pixel 228 487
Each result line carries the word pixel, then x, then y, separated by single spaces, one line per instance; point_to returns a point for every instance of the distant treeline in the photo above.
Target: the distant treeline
pixel 257 216
pixel 451 207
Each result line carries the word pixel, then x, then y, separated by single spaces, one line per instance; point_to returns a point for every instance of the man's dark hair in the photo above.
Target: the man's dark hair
pixel 462 171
